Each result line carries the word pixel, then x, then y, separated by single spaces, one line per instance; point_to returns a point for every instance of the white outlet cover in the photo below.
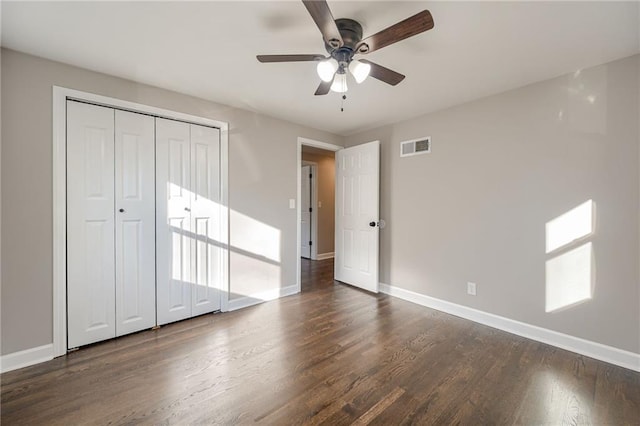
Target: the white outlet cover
pixel 292 203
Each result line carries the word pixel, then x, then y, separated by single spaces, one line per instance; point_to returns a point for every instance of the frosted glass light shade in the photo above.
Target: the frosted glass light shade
pixel 340 83
pixel 326 69
pixel 359 70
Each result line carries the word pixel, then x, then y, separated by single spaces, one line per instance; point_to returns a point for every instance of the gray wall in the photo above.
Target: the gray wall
pixel 475 209
pixel 262 177
pixel 326 185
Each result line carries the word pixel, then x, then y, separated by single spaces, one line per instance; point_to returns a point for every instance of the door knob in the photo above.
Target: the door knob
pixel 121 210
pixel 187 209
pixel 372 224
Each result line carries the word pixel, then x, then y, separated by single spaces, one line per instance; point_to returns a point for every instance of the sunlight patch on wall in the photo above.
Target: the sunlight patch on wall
pixel 569 278
pixel 570 226
pixel 253 236
pixel 569 272
pixel 195 224
pixel 253 275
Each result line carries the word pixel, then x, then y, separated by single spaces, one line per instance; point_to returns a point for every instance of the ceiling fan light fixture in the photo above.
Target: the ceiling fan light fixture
pixel 326 69
pixel 359 70
pixel 340 83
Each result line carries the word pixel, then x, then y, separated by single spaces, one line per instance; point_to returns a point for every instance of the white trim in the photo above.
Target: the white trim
pixel 591 349
pixel 317 144
pixel 59 222
pixel 60 96
pixel 136 107
pixel 324 256
pixel 263 296
pixel 26 358
pixel 224 219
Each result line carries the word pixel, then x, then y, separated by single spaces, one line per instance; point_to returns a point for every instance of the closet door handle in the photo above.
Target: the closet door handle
pixel 121 210
pixel 187 209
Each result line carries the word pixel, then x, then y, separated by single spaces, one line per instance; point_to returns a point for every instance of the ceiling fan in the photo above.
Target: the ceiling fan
pixel 343 40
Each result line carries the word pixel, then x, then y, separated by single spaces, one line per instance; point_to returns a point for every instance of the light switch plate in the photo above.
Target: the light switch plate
pixel 471 288
pixel 292 203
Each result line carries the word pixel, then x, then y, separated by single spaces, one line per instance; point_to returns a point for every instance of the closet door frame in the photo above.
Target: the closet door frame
pixel 60 97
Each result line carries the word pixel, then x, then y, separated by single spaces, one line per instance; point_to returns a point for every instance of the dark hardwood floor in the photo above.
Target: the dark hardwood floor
pixel 332 355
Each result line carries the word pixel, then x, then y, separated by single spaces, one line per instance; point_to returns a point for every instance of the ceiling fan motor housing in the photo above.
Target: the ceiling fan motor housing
pixel 351 32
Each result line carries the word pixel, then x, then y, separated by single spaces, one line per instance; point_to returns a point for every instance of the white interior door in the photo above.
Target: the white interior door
pixel 305 214
pixel 135 222
pixel 90 224
pixel 357 211
pixel 206 221
pixel 173 220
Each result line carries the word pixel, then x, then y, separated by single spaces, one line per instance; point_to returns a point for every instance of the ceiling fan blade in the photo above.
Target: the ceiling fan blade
pixel 289 58
pixel 383 74
pixel 324 87
pixel 321 14
pixel 416 24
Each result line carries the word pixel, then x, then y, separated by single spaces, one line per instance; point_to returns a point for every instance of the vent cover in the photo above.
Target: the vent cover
pixel 415 147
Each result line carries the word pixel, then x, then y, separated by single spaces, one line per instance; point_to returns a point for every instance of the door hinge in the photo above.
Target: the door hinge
pixel 310 176
pixel 310 209
pixel 310 243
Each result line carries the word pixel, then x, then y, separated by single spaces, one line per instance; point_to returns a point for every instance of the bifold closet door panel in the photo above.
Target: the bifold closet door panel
pixel 205 219
pixel 135 222
pixel 173 221
pixel 90 224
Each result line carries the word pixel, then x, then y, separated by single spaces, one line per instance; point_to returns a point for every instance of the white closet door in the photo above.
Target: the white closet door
pixel 173 220
pixel 90 224
pixel 135 222
pixel 205 219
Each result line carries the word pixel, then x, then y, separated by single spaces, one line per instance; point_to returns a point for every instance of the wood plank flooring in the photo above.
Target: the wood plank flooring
pixel 330 355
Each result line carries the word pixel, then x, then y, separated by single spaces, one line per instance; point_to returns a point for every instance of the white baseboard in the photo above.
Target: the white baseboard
pixel 26 358
pixel 263 296
pixel 324 256
pixel 591 349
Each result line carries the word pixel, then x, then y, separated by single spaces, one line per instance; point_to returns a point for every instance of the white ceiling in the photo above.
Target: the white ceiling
pixel 207 49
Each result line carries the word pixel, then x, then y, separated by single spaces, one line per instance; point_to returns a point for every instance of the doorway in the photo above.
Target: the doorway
pixel 316 203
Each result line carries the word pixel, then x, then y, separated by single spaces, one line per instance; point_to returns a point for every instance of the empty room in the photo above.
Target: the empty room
pixel 320 212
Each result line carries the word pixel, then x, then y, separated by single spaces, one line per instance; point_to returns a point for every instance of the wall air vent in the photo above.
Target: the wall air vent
pixel 415 147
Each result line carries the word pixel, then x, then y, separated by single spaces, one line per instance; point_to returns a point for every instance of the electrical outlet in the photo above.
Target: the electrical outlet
pixel 471 288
